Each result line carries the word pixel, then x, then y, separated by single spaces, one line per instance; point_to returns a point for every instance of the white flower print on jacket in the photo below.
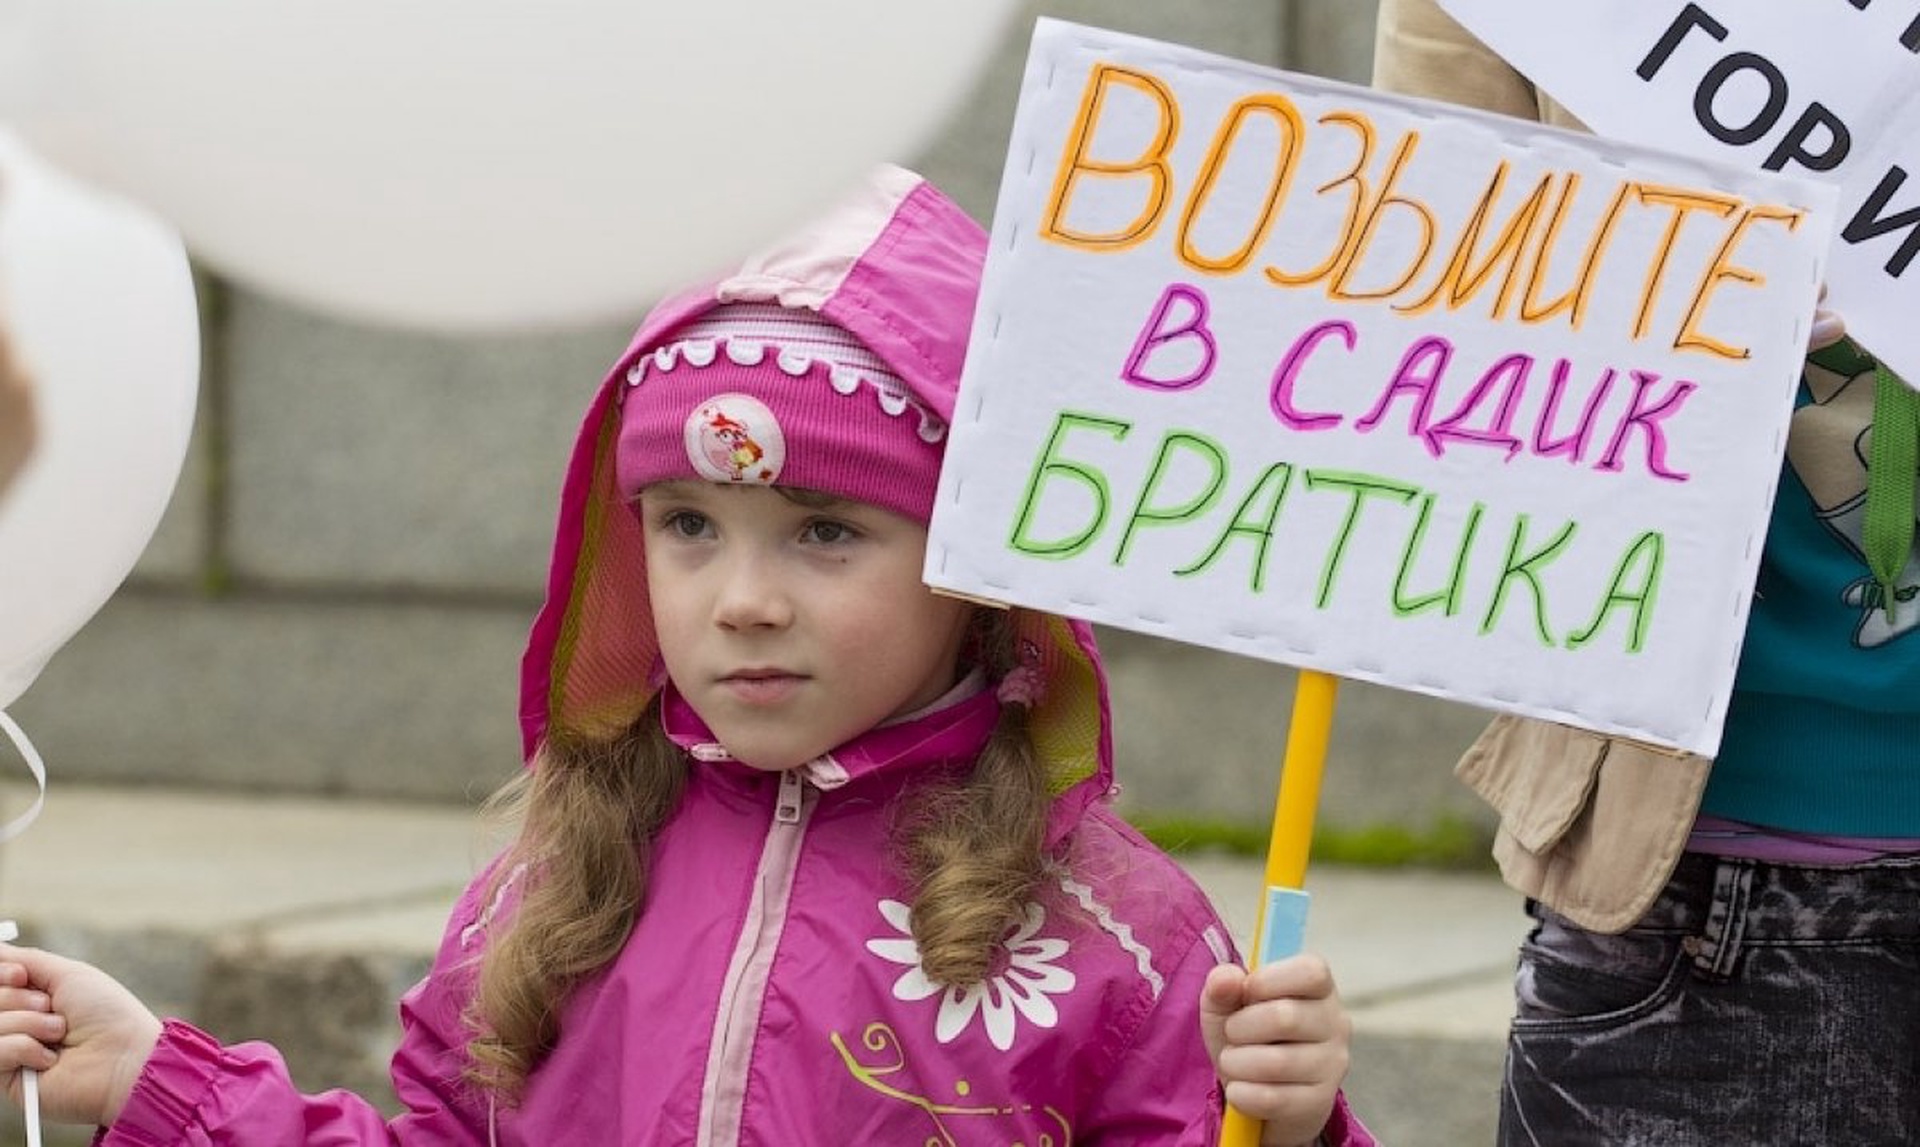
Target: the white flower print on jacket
pixel 1020 990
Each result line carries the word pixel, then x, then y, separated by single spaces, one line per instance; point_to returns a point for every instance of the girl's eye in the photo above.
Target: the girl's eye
pixel 827 532
pixel 685 523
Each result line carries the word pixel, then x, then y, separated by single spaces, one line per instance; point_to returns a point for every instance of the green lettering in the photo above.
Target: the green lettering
pixel 1259 528
pixel 1524 570
pixel 1192 507
pixel 1050 467
pixel 1362 487
pixel 1448 599
pixel 1654 548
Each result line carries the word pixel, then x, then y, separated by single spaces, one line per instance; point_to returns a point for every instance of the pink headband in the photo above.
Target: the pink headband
pixel 769 395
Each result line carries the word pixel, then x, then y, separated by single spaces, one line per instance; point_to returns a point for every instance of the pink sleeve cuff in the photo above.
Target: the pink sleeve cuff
pixel 1343 1130
pixel 167 1097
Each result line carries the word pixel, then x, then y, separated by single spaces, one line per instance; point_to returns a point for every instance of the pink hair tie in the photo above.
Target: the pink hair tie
pixel 1022 686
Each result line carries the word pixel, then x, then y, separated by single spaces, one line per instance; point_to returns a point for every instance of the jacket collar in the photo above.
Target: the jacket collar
pixel 948 733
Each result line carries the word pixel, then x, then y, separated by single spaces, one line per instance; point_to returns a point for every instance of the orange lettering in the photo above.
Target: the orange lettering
pixel 1152 162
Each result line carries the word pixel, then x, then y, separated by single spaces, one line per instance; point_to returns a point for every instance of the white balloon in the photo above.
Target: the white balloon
pixel 462 164
pixel 100 305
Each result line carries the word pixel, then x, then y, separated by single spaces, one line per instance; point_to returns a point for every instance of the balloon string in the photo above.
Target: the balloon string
pixel 19 824
pixel 30 1104
pixel 10 931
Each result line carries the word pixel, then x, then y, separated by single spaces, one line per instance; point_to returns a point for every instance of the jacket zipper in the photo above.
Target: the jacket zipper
pixel 743 992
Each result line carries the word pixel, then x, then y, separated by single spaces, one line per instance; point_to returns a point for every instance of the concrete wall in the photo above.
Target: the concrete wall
pixel 336 600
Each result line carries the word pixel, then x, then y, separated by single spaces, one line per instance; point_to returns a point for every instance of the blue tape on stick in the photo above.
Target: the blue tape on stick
pixel 1284 930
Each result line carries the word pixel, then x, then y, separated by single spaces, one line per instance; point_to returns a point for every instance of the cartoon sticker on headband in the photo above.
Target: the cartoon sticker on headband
pixel 735 438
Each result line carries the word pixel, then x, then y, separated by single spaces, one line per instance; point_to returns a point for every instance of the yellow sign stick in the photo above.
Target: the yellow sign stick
pixel 1299 797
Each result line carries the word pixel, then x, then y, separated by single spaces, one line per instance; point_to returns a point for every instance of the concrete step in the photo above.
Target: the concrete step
pixel 416 700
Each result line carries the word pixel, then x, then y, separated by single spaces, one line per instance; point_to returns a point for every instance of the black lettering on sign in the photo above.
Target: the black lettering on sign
pixel 1794 145
pixel 1867 223
pixel 1909 39
pixel 1690 17
pixel 1717 77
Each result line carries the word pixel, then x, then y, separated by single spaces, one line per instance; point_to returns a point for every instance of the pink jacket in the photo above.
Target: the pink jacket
pixel 771 992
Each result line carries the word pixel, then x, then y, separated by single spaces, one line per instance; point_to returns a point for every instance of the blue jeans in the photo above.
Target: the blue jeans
pixel 1754 1004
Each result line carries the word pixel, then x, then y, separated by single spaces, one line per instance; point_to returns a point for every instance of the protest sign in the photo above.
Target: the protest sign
pixel 1439 400
pixel 1824 88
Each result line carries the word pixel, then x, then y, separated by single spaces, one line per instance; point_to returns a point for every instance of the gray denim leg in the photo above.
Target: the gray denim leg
pixel 1755 1004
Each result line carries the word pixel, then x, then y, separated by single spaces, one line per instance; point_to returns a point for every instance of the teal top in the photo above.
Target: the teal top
pixel 1823 730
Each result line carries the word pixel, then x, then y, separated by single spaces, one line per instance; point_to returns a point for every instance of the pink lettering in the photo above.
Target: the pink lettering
pixel 1648 419
pixel 1418 375
pixel 1281 398
pixel 1574 443
pixel 1499 431
pixel 1162 330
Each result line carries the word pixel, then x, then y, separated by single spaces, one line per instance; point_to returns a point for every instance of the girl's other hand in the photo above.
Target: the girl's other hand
pixel 1279 1039
pixel 84 1032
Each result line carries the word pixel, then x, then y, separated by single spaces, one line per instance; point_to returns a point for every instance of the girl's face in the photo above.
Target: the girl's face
pixel 791 627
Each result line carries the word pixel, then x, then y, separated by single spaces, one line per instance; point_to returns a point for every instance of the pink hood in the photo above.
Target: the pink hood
pixel 897 264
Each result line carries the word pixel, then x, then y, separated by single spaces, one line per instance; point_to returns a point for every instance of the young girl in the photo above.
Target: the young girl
pixel 808 854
